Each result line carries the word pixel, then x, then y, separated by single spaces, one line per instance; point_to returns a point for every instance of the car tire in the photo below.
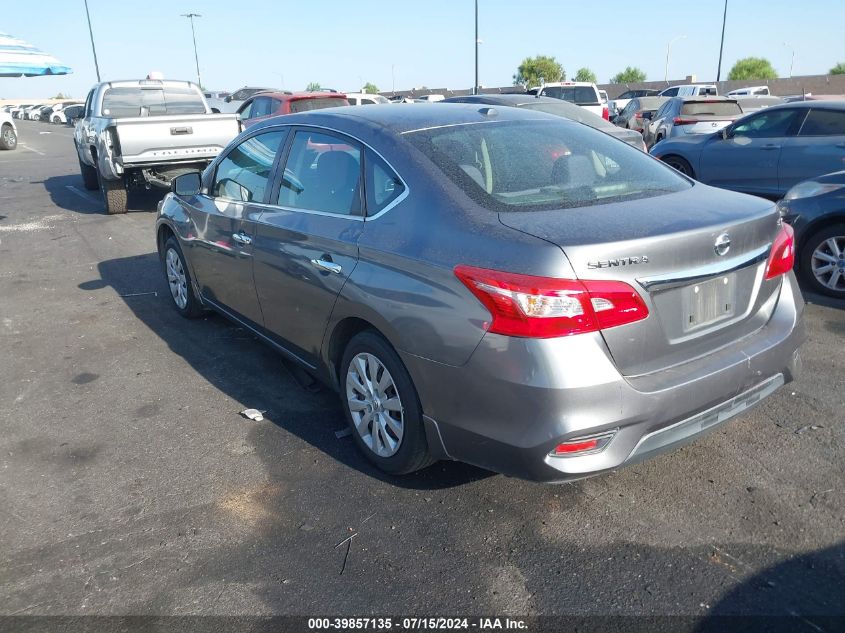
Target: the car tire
pixel 394 438
pixel 814 255
pixel 89 176
pixel 8 138
pixel 179 281
pixel 114 194
pixel 680 164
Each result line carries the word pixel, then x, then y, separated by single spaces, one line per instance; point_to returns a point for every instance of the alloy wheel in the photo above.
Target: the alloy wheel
pixel 375 405
pixel 828 263
pixel 176 279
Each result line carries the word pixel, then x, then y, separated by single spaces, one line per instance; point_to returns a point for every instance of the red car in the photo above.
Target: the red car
pixel 266 104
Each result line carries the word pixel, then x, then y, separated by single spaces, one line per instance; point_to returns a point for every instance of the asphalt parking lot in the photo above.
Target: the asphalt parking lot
pixel 131 485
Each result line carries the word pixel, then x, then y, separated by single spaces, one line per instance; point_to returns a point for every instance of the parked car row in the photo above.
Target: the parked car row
pixel 51 112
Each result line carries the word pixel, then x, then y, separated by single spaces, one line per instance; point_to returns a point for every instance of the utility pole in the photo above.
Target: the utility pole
pixel 792 62
pixel 191 17
pixel 475 86
pixel 722 45
pixel 669 46
pixel 91 33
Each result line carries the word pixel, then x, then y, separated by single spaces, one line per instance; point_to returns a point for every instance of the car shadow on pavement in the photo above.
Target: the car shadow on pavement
pixel 254 375
pixel 804 593
pixel 68 192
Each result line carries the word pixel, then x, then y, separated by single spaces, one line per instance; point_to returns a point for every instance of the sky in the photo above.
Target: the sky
pixel 405 44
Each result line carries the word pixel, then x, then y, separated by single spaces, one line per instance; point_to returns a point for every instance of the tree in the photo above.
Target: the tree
pixel 839 69
pixel 631 75
pixel 370 88
pixel 752 68
pixel 314 86
pixel 585 74
pixel 533 68
pixel 61 96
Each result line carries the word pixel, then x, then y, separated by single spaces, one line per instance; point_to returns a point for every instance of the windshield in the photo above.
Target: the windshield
pixel 711 108
pixel 538 165
pixel 580 95
pixel 132 101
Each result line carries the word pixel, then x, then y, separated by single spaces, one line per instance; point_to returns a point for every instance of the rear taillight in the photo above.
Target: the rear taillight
pixel 547 307
pixel 679 121
pixel 782 257
pixel 605 113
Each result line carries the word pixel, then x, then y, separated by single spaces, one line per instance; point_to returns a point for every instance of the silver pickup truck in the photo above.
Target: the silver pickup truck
pixel 144 133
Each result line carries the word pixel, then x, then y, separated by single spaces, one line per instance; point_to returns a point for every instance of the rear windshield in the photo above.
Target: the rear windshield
pixel 712 108
pixel 579 95
pixel 538 165
pixel 134 101
pixel 569 111
pixel 304 105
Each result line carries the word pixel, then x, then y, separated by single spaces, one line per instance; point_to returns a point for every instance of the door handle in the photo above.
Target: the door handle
pixel 242 238
pixel 330 267
pixel 770 146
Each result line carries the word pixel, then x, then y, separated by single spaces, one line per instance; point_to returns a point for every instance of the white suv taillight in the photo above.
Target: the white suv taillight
pixel 547 307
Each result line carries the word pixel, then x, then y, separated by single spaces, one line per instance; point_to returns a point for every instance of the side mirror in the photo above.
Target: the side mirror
pixel 648 115
pixel 228 99
pixel 726 133
pixel 186 184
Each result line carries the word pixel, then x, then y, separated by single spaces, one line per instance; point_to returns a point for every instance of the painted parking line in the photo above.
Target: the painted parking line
pixel 31 149
pixel 82 194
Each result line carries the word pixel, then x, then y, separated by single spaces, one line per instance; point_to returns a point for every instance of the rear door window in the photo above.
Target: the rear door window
pixel 242 176
pixel 824 123
pixel 322 173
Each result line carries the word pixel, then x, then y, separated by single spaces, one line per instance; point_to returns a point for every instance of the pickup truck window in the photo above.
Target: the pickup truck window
pixel 133 101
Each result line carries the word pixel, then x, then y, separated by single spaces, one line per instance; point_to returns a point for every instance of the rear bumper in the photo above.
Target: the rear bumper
pixel 516 399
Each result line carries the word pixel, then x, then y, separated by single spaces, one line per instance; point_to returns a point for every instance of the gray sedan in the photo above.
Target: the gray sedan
pixel 491 285
pixel 766 152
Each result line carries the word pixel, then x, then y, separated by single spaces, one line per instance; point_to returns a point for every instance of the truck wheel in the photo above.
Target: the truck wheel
pixel 114 195
pixel 89 176
pixel 8 138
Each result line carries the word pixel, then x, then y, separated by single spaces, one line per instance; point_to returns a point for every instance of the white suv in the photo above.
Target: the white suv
pixel 582 93
pixel 364 98
pixel 8 132
pixel 690 90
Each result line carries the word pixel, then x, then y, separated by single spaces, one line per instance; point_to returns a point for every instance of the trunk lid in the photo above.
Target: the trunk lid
pixel 173 138
pixel 665 247
pixel 704 124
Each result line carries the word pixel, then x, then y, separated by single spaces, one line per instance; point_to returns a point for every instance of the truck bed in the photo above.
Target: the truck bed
pixel 173 138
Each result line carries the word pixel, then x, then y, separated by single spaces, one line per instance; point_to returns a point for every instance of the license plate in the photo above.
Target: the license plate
pixel 709 302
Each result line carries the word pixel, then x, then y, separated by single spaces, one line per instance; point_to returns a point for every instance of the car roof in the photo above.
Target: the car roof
pixel 513 100
pixel 287 95
pixel 409 117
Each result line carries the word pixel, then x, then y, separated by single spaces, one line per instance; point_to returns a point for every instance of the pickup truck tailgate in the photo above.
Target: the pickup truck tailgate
pixel 165 139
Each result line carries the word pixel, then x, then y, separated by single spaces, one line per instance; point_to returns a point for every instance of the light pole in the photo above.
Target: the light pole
pixel 91 33
pixel 668 47
pixel 475 86
pixel 191 17
pixel 792 62
pixel 722 45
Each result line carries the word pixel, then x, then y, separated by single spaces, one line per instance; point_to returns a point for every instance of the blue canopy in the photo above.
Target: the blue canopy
pixel 19 59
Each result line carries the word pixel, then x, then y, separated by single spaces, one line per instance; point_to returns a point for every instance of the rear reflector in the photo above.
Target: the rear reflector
pixel 583 445
pixel 548 307
pixel 782 257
